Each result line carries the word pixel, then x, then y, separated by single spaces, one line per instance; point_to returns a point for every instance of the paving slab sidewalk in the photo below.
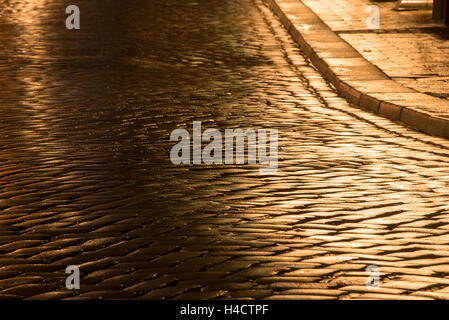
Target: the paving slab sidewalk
pixel 400 70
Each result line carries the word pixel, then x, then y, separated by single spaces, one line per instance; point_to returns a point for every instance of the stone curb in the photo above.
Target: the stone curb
pixel 357 79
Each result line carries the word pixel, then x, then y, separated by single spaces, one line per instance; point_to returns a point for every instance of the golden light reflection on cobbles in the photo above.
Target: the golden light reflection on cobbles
pixel 86 179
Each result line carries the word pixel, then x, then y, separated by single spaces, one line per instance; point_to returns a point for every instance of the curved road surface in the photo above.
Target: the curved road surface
pixel 86 178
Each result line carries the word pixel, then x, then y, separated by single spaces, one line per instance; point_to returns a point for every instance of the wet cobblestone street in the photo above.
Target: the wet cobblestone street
pixel 86 178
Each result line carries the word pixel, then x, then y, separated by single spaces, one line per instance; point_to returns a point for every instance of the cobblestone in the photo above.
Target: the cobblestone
pixel 86 179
